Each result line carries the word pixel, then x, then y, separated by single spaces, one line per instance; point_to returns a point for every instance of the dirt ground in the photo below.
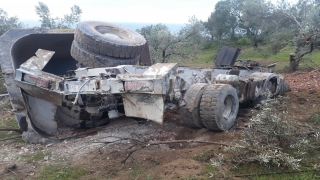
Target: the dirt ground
pixel 119 149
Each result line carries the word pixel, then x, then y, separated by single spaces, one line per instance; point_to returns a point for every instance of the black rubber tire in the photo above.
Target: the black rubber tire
pixel 189 111
pixel 119 42
pixel 94 60
pixel 283 87
pixel 213 103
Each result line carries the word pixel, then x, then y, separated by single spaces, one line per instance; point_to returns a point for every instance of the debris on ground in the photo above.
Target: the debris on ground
pixel 304 80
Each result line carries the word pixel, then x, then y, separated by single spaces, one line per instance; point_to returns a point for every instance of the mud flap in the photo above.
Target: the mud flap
pixel 145 106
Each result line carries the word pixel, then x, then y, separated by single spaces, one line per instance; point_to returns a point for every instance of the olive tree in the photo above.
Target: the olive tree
pixel 66 21
pixel 7 22
pixel 222 22
pixel 305 29
pixel 165 45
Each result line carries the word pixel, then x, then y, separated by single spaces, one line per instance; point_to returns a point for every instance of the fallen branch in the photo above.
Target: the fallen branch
pixel 285 172
pixel 15 137
pixel 190 141
pixel 141 144
pixel 168 142
pixel 10 129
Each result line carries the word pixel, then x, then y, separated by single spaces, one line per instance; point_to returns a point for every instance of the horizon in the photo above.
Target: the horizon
pixel 138 11
pixel 173 27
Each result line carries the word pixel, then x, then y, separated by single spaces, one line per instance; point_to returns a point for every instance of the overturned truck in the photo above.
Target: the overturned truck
pixel 85 78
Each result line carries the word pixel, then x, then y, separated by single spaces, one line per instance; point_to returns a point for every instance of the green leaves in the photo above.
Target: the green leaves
pixel 7 22
pixel 165 45
pixel 43 11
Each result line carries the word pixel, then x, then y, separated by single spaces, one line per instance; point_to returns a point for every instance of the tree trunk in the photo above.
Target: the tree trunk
pixel 294 63
pixel 163 56
pixel 233 37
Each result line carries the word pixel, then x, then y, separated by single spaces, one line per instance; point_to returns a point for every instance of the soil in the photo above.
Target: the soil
pixel 118 151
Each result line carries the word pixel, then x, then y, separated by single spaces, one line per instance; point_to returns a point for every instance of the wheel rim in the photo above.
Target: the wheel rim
pixel 112 32
pixel 229 103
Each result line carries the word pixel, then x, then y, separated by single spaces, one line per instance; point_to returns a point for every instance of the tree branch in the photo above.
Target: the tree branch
pixel 142 144
pixel 292 17
pixel 14 137
pixel 10 129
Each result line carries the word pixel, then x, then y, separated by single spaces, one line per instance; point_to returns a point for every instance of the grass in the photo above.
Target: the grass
pixel 205 57
pixel 3 88
pixel 61 172
pixel 135 172
pixel 315 118
pixel 258 172
pixel 9 122
pixel 111 175
pixel 204 156
pixel 37 156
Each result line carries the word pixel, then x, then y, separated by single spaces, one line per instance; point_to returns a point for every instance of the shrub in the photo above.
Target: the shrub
pixel 271 134
pixel 244 41
pixel 315 117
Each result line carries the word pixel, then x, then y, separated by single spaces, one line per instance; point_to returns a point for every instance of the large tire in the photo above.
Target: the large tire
pixel 109 39
pixel 219 106
pixel 189 109
pixel 283 87
pixel 94 60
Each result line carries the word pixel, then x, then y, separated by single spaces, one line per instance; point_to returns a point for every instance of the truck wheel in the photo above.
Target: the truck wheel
pixel 189 108
pixel 219 106
pixel 109 39
pixel 283 87
pixel 94 60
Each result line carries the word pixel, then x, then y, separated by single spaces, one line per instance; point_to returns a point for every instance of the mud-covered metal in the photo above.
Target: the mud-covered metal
pixel 227 79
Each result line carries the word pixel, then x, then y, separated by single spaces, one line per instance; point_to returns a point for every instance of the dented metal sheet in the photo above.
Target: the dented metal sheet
pixel 146 86
pixel 39 61
pixel 41 93
pixel 159 70
pixel 144 106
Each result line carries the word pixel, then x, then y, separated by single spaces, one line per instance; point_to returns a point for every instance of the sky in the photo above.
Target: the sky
pixel 132 11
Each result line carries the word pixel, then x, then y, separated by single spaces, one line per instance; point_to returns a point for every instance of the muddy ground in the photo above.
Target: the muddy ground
pixel 122 149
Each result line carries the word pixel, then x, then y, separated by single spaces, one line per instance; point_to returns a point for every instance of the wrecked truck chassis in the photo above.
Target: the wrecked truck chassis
pixel 38 90
pixel 145 90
